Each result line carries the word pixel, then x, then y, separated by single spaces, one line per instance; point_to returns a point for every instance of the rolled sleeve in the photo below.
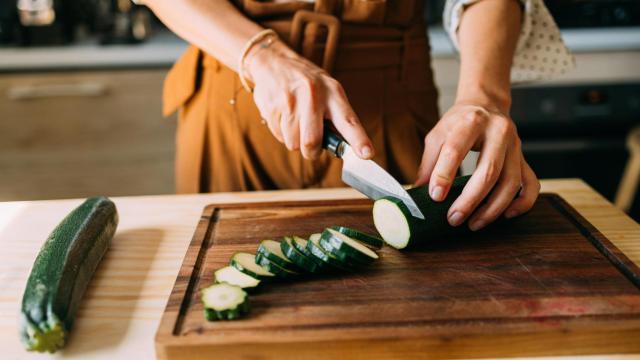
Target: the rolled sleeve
pixel 540 53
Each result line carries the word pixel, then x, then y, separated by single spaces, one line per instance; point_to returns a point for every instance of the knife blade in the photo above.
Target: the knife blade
pixel 365 175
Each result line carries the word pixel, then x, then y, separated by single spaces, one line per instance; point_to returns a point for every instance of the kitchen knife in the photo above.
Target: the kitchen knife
pixel 365 175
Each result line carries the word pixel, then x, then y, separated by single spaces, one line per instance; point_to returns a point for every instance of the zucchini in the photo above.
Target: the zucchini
pixel 224 302
pixel 313 246
pixel 274 268
pixel 400 229
pixel 301 245
pixel 270 249
pixel 233 276
pixel 298 258
pixel 371 241
pixel 246 263
pixel 346 248
pixel 61 272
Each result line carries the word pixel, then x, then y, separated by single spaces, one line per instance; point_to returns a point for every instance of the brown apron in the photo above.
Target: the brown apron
pixel 377 50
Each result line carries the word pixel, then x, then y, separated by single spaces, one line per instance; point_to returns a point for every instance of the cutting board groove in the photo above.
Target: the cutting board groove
pixel 545 283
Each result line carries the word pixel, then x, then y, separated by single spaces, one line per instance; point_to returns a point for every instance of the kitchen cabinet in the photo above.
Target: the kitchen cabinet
pixel 82 133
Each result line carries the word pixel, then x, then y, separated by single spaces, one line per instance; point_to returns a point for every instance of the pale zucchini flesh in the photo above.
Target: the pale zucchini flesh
pixel 224 302
pixel 345 243
pixel 246 263
pixel 233 276
pixel 271 249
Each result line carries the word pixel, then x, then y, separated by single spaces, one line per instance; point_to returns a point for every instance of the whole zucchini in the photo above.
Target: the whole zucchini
pixel 62 271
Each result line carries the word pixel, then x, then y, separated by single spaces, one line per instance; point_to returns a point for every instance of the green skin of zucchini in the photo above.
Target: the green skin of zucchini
pixel 274 268
pixel 62 271
pixel 298 257
pixel 435 222
pixel 333 245
pixel 228 314
pixel 371 241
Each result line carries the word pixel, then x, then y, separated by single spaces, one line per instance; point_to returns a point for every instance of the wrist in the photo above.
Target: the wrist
pixel 261 54
pixel 492 98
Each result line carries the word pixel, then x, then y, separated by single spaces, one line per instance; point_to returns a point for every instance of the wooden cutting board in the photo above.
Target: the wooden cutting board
pixel 545 283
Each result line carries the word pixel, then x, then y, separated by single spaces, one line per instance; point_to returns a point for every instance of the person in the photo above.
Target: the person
pixel 261 73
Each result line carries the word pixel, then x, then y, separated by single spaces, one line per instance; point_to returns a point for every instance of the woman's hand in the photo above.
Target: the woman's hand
pixel 295 96
pixel 467 126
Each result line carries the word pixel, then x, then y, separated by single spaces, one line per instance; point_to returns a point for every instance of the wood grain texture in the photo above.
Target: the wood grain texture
pixel 126 299
pixel 545 283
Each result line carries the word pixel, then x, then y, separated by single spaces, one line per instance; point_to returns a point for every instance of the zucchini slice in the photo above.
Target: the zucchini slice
pixel 345 248
pixel 371 241
pixel 400 229
pixel 313 246
pixel 298 258
pixel 301 245
pixel 224 302
pixel 274 268
pixel 233 276
pixel 272 251
pixel 246 263
pixel 62 271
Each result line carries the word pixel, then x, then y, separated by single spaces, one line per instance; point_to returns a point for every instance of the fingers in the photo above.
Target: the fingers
pixel 490 163
pixel 453 151
pixel 504 192
pixel 528 194
pixel 432 146
pixel 346 122
pixel 311 123
pixel 289 123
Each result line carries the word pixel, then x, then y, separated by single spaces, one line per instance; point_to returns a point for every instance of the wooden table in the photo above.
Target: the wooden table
pixel 120 319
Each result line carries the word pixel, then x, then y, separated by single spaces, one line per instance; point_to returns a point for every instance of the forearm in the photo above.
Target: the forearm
pixel 487 38
pixel 215 26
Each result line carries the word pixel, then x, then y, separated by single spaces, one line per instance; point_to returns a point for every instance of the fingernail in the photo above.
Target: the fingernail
pixel 437 193
pixel 511 214
pixel 456 218
pixel 477 225
pixel 365 151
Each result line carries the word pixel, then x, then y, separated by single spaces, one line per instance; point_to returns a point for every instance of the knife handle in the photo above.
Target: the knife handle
pixel 332 141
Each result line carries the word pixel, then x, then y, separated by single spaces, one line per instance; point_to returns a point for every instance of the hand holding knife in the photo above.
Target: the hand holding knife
pixel 365 175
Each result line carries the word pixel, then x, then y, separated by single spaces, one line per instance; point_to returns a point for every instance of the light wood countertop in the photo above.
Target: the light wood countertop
pixel 122 308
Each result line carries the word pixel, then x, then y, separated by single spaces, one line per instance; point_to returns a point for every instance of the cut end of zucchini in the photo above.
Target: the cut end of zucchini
pixel 391 222
pixel 353 244
pixel 50 339
pixel 371 241
pixel 224 302
pixel 233 276
pixel 246 263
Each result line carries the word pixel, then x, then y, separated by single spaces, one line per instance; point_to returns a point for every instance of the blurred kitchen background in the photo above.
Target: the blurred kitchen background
pixel 81 82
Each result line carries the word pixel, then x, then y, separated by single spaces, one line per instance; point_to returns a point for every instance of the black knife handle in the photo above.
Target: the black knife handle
pixel 332 141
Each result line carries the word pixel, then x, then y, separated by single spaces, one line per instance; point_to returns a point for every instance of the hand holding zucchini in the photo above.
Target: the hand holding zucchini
pixel 62 271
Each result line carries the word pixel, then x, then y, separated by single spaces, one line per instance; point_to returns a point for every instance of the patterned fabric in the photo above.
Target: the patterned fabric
pixel 540 53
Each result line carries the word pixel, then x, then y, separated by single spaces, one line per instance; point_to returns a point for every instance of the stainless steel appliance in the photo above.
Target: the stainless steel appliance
pixel 579 131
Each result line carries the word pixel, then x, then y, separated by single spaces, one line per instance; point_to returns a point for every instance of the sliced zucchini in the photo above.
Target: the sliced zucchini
pixel 313 246
pixel 271 250
pixel 274 268
pixel 400 229
pixel 233 276
pixel 301 245
pixel 371 241
pixel 298 258
pixel 224 302
pixel 246 263
pixel 345 248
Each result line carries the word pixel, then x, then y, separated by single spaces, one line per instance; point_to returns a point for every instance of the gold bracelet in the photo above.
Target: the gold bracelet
pixel 255 39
